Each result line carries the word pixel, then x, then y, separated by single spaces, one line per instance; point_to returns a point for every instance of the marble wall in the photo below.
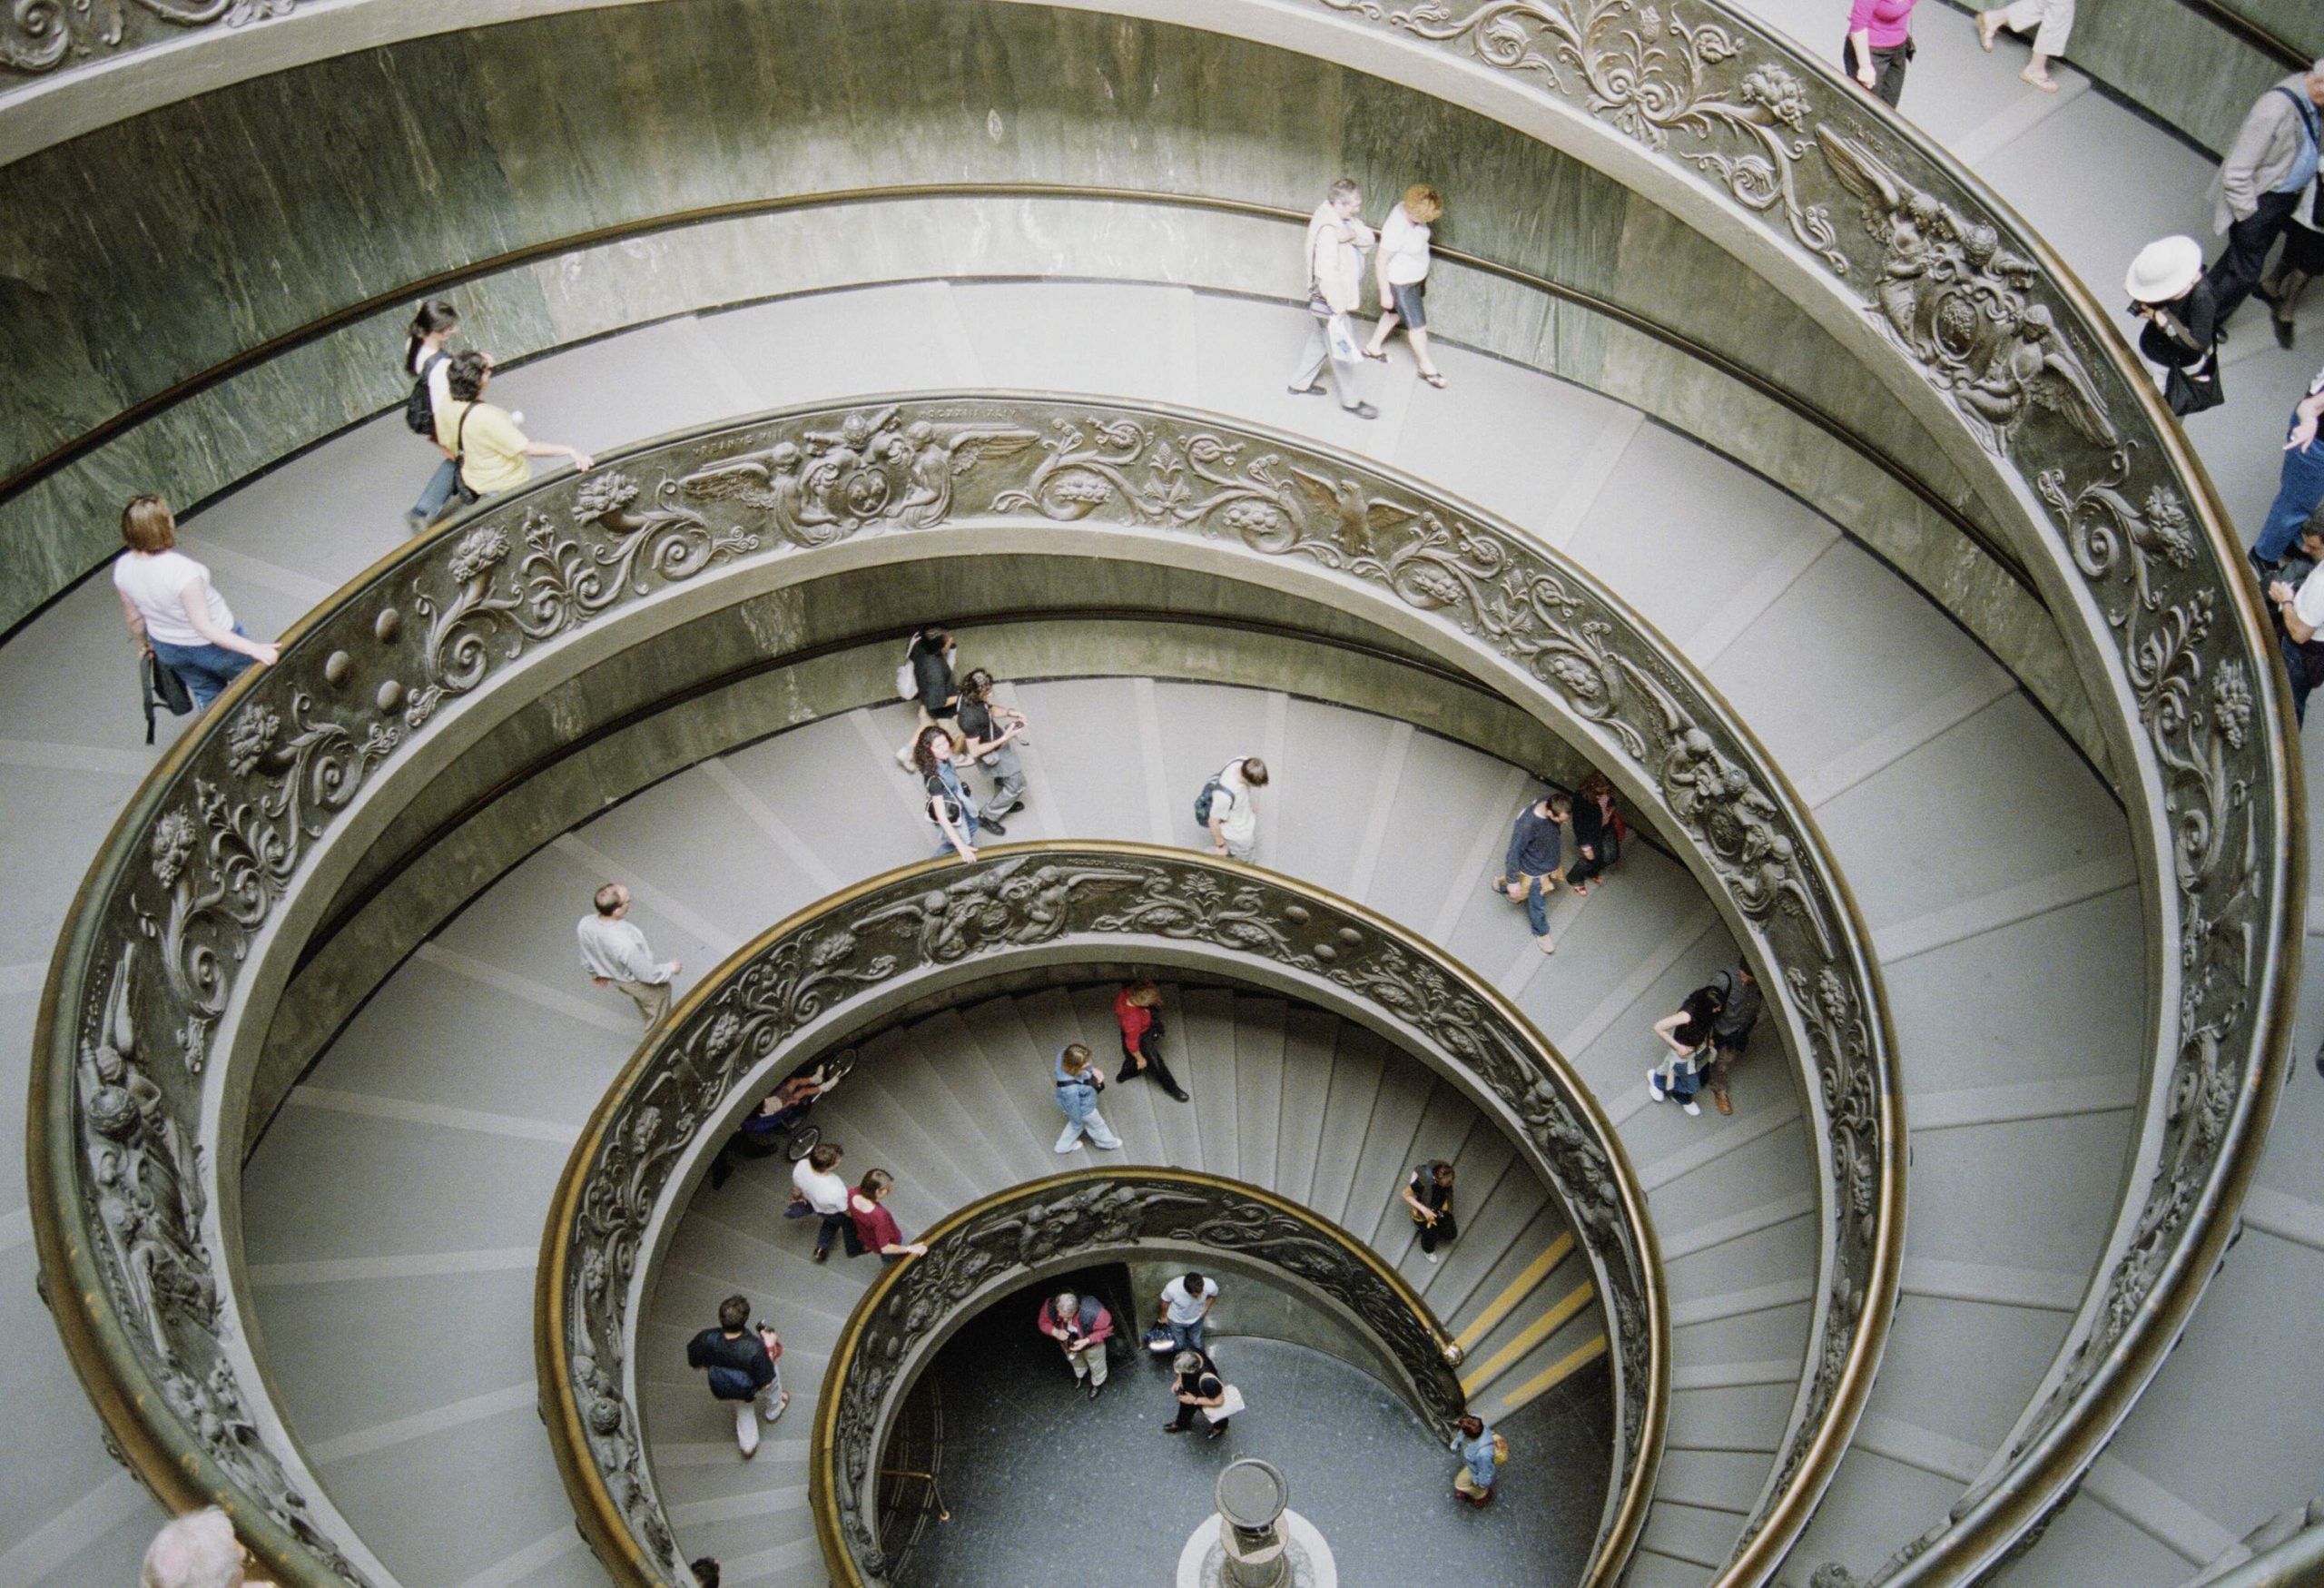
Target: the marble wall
pixel 142 254
pixel 2173 59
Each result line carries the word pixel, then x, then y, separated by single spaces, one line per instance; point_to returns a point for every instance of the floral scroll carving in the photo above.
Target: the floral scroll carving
pixel 1659 78
pixel 930 923
pixel 1109 1211
pixel 1956 288
pixel 203 869
pixel 41 35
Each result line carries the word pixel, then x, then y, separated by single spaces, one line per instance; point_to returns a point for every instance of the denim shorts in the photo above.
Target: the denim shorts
pixel 1406 299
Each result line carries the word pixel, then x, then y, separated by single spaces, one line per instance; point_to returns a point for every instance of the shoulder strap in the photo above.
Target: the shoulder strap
pixel 460 433
pixel 2306 110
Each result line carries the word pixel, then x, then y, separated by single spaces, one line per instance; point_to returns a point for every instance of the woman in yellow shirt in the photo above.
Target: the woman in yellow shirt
pixel 493 452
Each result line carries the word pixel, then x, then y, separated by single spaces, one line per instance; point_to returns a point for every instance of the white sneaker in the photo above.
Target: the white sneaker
pixel 1429 1256
pixel 1548 945
pixel 1693 1108
pixel 1654 1089
pixel 774 1414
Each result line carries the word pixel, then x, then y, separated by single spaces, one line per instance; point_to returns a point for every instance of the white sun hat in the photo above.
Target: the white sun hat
pixel 2164 270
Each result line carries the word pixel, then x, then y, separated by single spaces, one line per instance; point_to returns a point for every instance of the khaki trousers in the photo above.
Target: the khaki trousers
pixel 651 998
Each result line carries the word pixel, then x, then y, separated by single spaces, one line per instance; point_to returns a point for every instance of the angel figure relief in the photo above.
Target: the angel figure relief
pixel 1950 295
pixel 940 456
pixel 147 1177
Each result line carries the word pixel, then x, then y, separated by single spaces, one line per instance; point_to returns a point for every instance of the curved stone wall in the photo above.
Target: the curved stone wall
pixel 277 206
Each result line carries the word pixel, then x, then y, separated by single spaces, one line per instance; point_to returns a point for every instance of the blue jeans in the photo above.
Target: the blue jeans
pixel 2297 665
pixel 1537 907
pixel 440 486
pixel 206 669
pixel 967 831
pixel 2299 489
pixel 1186 1337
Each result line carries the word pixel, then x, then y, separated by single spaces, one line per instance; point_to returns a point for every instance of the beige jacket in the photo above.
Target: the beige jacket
pixel 1335 258
pixel 2262 153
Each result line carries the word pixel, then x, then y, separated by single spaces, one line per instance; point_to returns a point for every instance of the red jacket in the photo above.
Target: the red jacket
pixel 1134 1018
pixel 1095 1321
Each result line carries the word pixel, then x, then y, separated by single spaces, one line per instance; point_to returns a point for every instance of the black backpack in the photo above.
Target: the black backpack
pixel 1210 791
pixel 419 408
pixel 164 691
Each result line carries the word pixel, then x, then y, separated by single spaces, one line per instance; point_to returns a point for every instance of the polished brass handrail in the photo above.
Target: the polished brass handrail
pixel 181 902
pixel 1947 279
pixel 1190 1221
pixel 938 926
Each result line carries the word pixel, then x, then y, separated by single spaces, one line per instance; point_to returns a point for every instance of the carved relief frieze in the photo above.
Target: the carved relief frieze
pixel 249 800
pixel 41 35
pixel 1967 300
pixel 929 924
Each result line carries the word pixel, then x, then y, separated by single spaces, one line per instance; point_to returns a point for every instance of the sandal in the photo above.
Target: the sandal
pixel 1434 377
pixel 1376 357
pixel 1986 30
pixel 2045 82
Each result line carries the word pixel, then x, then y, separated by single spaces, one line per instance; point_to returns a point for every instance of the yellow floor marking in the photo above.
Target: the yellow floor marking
pixel 1533 1335
pixel 1549 1378
pixel 1524 1284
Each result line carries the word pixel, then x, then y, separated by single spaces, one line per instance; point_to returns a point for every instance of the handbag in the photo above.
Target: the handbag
pixel 1230 1403
pixel 165 689
pixel 907 681
pixel 1161 1342
pixel 2196 390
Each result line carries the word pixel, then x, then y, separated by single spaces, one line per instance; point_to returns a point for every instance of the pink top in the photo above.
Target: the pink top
pixel 1889 21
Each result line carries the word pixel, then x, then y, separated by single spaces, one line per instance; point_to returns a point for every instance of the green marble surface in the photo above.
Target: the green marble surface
pixel 145 253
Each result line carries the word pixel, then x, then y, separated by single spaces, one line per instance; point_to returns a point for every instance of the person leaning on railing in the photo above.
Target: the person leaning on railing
pixel 493 454
pixel 176 614
pixel 2300 614
pixel 2300 486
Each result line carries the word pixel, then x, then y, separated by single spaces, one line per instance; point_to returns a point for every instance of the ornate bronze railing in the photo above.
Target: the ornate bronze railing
pixel 1993 332
pixel 144 1031
pixel 1981 328
pixel 1069 1219
pixel 821 976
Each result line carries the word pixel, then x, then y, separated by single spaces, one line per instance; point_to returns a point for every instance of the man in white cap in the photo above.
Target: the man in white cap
pixel 2169 292
pixel 2271 163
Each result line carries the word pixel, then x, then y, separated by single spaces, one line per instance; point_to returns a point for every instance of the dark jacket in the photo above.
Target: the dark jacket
pixel 745 1353
pixel 2198 314
pixel 1536 847
pixel 932 671
pixel 1739 1010
pixel 1592 827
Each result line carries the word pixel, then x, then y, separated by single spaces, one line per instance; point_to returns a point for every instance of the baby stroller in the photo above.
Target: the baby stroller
pixel 779 1125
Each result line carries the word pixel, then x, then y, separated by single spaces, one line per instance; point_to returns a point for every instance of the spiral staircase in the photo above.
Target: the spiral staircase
pixel 391 1210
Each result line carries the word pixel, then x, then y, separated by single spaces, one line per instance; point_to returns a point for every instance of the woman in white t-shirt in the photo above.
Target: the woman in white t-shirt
pixel 173 611
pixel 425 358
pixel 1401 266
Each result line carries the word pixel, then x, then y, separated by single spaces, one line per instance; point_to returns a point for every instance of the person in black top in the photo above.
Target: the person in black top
pixel 740 1364
pixel 2181 319
pixel 1429 1194
pixel 1740 1002
pixel 993 731
pixel 706 1571
pixel 1596 837
pixel 1197 1385
pixel 931 655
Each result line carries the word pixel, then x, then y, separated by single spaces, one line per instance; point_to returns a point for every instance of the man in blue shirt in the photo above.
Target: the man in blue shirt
pixel 1474 1443
pixel 1536 856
